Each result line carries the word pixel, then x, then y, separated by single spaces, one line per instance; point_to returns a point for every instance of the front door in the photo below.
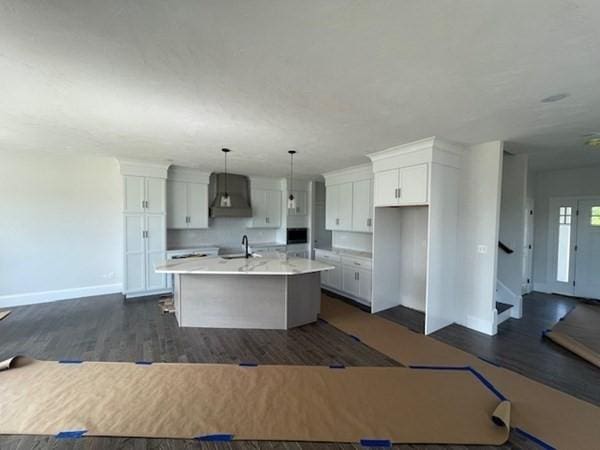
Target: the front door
pixel 587 250
pixel 564 234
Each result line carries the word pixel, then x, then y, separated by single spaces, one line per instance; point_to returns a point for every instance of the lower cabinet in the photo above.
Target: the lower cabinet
pixel 351 276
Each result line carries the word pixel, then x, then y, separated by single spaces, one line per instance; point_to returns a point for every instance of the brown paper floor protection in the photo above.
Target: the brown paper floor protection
pixel 558 419
pixel 298 403
pixel 579 332
pixel 3 314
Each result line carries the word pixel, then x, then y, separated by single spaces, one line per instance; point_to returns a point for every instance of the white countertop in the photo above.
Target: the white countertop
pixel 260 265
pixel 348 252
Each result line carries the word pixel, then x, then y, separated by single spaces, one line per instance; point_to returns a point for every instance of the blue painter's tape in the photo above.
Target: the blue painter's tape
pixel 356 338
pixel 70 361
pixel 248 364
pixel 74 434
pixel 489 361
pixel 144 363
pixel 215 438
pixel 479 376
pixel 546 332
pixel 376 443
pixel 537 440
pixel 323 320
pixel 337 366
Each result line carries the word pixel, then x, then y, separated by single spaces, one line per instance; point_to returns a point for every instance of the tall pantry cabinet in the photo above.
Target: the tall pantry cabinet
pixel 144 227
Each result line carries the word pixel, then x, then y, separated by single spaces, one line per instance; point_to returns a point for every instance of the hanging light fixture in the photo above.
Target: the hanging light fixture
pixel 225 201
pixel 291 199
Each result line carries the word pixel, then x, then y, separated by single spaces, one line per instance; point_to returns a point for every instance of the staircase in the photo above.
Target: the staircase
pixel 508 304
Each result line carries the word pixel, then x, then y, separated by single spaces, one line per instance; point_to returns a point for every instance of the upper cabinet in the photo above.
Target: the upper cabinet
pixel 187 198
pixel 402 186
pixel 187 205
pixel 144 194
pixel 349 199
pixel 266 208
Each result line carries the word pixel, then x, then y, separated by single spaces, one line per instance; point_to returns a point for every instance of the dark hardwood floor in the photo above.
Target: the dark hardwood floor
pixel 107 328
pixel 519 345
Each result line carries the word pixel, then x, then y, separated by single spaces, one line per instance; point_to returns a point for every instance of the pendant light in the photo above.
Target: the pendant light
pixel 225 201
pixel 291 199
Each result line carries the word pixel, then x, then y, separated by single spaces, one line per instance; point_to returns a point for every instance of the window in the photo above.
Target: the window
pixel 564 243
pixel 595 216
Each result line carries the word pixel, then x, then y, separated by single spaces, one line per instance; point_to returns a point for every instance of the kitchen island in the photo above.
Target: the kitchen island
pixel 265 292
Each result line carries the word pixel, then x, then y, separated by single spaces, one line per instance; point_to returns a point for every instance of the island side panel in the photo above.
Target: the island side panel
pixel 303 298
pixel 232 301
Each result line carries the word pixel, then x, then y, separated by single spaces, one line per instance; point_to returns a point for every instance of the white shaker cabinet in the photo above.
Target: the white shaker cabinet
pixel 338 207
pixel 143 194
pixel 187 205
pixel 402 186
pixel 362 206
pixel 266 208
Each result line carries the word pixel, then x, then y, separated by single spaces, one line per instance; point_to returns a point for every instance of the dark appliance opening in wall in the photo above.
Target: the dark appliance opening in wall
pixel 297 235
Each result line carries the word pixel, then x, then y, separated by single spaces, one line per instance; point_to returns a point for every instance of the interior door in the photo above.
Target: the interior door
pixel 587 260
pixel 563 236
pixel 197 205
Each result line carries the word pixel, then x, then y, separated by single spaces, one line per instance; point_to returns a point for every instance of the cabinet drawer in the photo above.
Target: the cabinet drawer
pixel 327 256
pixel 357 262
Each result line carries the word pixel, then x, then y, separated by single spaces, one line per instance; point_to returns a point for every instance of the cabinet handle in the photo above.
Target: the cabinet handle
pixel 337 221
pixel 143 204
pixel 297 209
pixel 357 264
pixel 399 192
pixel 358 275
pixel 267 220
pixel 368 222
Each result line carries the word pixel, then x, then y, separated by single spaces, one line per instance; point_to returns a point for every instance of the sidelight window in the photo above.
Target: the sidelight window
pixel 595 216
pixel 564 244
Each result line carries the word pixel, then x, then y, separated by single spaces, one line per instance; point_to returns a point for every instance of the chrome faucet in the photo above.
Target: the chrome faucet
pixel 245 242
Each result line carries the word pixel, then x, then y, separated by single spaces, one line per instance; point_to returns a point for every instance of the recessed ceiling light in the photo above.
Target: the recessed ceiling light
pixel 555 98
pixel 593 142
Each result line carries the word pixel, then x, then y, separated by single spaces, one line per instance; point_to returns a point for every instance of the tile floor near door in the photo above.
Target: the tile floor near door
pixel 109 329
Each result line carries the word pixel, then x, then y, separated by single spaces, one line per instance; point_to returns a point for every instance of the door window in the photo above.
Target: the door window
pixel 564 244
pixel 595 216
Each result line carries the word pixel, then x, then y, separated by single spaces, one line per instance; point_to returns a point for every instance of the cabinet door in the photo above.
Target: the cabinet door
pixel 273 209
pixel 350 280
pixel 362 206
pixel 345 207
pixel 325 278
pixel 134 193
pixel 413 184
pixel 155 195
pixel 335 277
pixel 134 253
pixel 386 188
pixel 258 197
pixel 364 284
pixel 177 205
pixel 197 205
pixel 155 251
pixel 332 195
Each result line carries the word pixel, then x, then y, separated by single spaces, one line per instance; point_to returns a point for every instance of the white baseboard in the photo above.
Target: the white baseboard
pixel 32 298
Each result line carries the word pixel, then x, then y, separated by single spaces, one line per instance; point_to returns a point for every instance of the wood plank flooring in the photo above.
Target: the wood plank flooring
pixel 107 328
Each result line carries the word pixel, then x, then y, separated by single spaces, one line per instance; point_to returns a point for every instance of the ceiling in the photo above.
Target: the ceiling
pixel 166 80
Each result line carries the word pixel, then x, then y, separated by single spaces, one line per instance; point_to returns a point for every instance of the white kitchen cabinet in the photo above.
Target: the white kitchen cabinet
pixel 338 207
pixel 362 206
pixel 187 205
pixel 301 208
pixel 350 280
pixel 352 276
pixel 402 186
pixel 155 251
pixel 143 194
pixel 266 208
pixel 365 280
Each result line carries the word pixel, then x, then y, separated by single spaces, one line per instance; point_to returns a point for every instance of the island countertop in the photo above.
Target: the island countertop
pixel 257 265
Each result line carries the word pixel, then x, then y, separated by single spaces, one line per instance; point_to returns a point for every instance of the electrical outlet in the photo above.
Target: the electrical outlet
pixel 482 249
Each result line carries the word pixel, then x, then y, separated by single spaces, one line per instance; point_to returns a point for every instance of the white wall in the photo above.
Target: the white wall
pixel 60 227
pixel 478 223
pixel 512 220
pixel 557 183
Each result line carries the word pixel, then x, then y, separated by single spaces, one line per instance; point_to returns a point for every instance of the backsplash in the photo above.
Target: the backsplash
pixel 362 242
pixel 223 232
